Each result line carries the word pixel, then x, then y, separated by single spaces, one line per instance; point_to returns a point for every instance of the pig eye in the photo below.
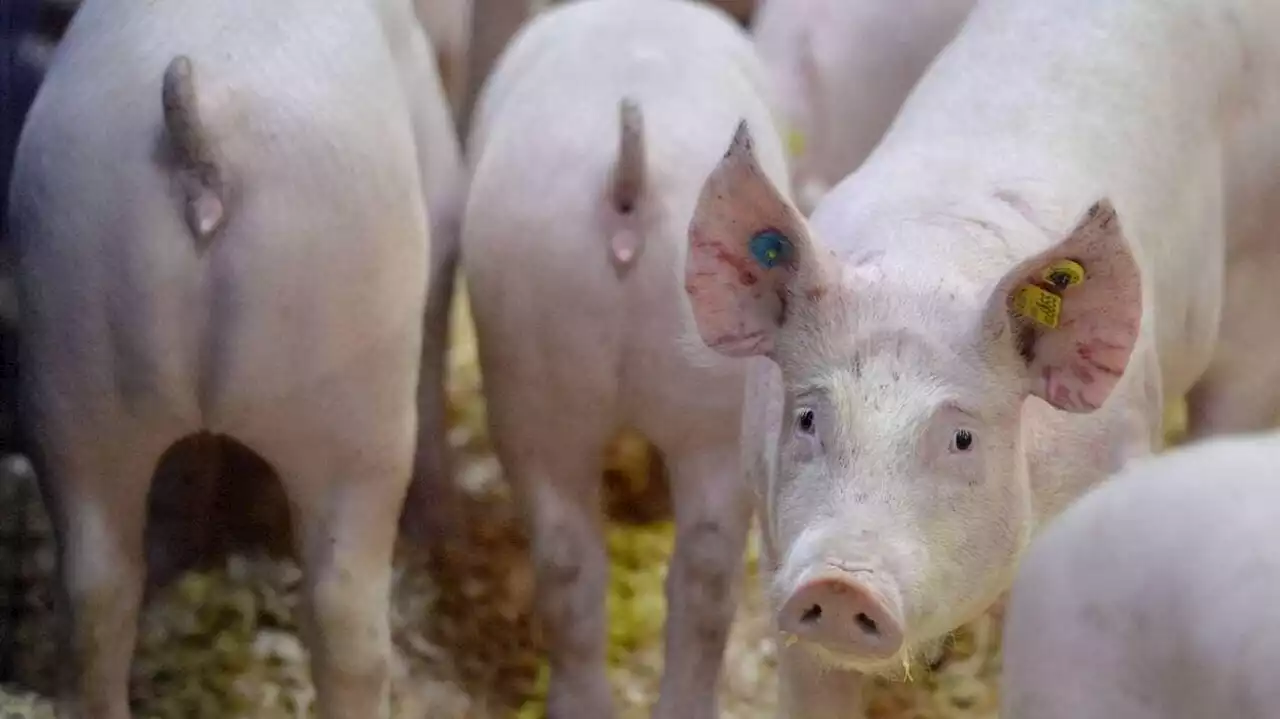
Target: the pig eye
pixel 962 441
pixel 805 421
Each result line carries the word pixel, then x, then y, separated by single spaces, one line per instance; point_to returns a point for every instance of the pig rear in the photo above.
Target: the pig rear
pixel 225 236
pixel 593 138
pixel 1156 595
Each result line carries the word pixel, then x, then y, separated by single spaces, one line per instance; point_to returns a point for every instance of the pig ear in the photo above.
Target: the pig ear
pixel 1075 310
pixel 748 247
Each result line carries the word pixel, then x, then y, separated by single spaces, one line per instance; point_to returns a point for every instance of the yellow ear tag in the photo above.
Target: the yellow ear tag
pixel 1063 273
pixel 795 142
pixel 1040 305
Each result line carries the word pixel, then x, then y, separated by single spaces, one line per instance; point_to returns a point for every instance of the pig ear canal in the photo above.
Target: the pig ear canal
pixel 749 254
pixel 1074 311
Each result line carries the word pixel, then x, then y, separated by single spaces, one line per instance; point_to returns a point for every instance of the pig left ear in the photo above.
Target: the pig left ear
pixel 749 251
pixel 1074 311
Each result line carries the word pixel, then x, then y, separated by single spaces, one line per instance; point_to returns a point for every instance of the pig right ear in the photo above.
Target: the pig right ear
pixel 747 248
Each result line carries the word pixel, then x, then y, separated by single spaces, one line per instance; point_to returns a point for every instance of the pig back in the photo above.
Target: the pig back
pixel 304 114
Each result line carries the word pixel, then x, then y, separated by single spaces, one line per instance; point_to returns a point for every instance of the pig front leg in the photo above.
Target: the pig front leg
pixel 809 690
pixel 712 506
pixel 95 484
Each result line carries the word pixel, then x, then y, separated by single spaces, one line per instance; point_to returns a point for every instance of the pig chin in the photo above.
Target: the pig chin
pixel 843 601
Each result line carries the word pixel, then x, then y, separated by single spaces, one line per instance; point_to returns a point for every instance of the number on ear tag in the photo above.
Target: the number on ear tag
pixel 1040 305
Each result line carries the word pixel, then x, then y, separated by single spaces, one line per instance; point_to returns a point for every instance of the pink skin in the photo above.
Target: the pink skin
pixel 836 611
pixel 1156 595
pixel 898 498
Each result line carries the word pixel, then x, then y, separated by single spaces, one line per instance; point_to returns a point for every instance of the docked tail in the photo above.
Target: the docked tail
pixel 201 178
pixel 627 181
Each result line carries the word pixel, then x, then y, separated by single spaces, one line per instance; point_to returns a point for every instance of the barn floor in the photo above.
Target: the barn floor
pixel 223 643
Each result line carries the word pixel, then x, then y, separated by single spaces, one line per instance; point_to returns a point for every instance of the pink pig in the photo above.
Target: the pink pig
pixel 226 231
pixel 908 424
pixel 592 140
pixel 1155 596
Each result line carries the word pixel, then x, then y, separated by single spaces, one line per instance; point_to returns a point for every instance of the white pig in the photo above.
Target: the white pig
pixel 593 138
pixel 841 70
pixel 221 229
pixel 980 322
pixel 1155 596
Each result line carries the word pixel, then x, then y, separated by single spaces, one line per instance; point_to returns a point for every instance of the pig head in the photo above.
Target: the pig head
pixel 897 496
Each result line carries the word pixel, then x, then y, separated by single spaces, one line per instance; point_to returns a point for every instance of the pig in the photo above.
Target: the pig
pixel 591 143
pixel 1156 595
pixel 979 323
pixel 841 70
pixel 227 237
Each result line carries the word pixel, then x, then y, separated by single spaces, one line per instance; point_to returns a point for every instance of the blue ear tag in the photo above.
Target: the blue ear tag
pixel 770 247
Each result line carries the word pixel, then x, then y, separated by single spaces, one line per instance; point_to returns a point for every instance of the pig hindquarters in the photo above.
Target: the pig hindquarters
pixel 592 139
pixel 228 242
pixel 1157 595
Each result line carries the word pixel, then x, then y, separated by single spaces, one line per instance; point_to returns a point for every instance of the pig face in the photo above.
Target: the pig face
pixel 899 499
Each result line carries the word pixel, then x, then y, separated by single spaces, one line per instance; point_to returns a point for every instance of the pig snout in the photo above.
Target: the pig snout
pixel 850 614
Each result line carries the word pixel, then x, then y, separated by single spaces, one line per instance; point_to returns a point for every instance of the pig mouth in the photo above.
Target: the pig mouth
pixel 910 662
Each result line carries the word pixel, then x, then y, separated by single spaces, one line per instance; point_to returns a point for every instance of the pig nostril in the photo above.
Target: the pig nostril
pixel 867 624
pixel 811 615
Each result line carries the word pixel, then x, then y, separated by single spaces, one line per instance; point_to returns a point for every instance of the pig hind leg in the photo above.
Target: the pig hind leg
pixel 345 508
pixel 95 485
pixel 553 461
pixel 712 506
pixel 345 474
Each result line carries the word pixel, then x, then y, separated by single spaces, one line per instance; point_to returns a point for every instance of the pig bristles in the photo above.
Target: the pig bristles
pixel 197 170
